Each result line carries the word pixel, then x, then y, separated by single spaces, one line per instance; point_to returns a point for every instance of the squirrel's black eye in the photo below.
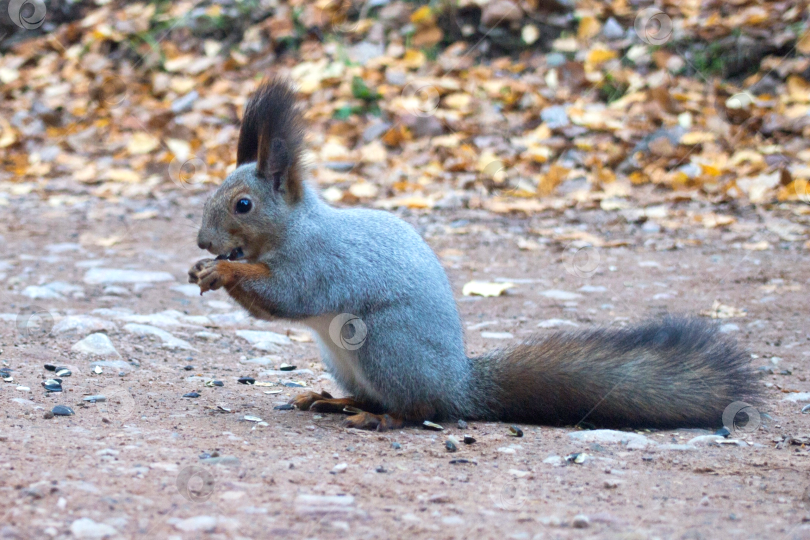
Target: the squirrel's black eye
pixel 243 206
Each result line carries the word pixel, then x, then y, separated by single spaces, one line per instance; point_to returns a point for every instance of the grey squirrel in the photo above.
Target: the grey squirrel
pixel 383 312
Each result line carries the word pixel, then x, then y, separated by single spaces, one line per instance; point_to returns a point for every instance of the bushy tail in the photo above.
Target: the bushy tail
pixel 679 372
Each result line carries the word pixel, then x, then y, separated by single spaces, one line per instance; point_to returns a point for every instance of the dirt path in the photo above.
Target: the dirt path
pixel 149 463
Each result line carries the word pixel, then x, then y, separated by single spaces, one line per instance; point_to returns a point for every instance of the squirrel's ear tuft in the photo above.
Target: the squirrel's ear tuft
pixel 275 165
pixel 272 135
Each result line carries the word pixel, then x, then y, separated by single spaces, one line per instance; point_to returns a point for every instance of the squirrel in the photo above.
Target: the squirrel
pixel 383 313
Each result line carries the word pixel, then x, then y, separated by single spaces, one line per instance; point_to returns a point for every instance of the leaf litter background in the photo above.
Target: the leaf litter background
pixel 506 106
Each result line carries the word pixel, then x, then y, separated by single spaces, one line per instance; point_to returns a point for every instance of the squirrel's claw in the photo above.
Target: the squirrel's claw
pixel 204 273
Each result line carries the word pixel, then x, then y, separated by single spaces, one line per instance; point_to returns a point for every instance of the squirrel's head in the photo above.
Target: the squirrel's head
pixel 247 215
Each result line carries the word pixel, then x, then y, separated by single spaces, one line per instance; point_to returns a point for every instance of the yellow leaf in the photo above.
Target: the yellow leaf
pixel 7 135
pixel 538 154
pixel 588 27
pixel 722 311
pixel 458 101
pixel 413 59
pixel 364 190
pixel 142 143
pixel 180 148
pixel 415 202
pixel 110 241
pixel 484 288
pixel 757 246
pixel 697 137
pixel 710 170
pixel 374 152
pixel 599 55
pixel 423 15
pixel 549 182
pixel 798 88
pixel 122 175
pixel 529 34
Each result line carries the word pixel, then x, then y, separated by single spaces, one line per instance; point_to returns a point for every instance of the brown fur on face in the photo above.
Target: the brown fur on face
pixel 269 174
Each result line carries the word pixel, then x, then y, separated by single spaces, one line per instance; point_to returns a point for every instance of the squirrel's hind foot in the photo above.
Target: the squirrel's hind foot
pixel 380 422
pixel 325 403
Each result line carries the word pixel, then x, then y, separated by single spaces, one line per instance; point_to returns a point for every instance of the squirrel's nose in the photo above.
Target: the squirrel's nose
pixel 203 245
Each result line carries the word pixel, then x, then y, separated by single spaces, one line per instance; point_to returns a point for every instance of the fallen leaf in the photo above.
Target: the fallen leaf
pixel 484 288
pixel 722 311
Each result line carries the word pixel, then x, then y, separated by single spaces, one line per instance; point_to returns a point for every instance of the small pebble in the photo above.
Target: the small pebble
pixel 431 426
pixel 450 445
pixel 62 410
pixel 188 368
pixel 285 407
pixel 213 383
pixel 806 408
pixel 581 521
pixel 462 424
pixel 48 415
pixel 460 461
pixel 253 419
pixel 97 370
pixel 286 367
pixel 95 399
pixel 468 439
pixel 515 431
pixel 579 458
pixel 246 380
pixel 191 395
pixel 63 372
pixel 381 469
pixel 50 367
pixel 339 468
pixel 52 385
pixel 295 385
pixel 396 446
pixel 723 432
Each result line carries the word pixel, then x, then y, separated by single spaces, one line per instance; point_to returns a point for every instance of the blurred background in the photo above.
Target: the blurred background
pixel 507 105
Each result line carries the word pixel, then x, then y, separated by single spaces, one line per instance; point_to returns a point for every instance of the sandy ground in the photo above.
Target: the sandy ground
pixel 149 463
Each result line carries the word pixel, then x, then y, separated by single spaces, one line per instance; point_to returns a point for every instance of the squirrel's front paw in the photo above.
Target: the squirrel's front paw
pixel 205 274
